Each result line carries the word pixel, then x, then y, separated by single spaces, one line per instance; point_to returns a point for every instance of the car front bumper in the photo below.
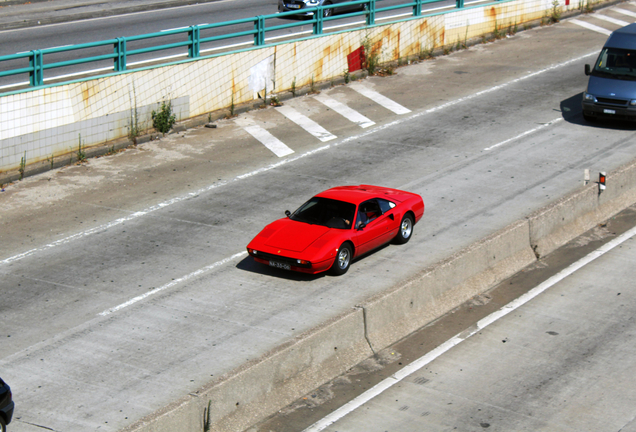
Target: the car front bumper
pixel 592 109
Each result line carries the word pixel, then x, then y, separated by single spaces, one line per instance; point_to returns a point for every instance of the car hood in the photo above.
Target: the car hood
pixel 291 235
pixel 614 88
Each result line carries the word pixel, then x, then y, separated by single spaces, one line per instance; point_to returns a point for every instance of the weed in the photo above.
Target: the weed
pixel 81 154
pixel 346 76
pixel 447 50
pixel 275 101
pixel 232 107
pixel 425 53
pixel 293 87
pixel 555 16
pixel 206 418
pixel 209 117
pixel 312 88
pixel 51 160
pixel 22 166
pixel 371 56
pixel 133 130
pixel 164 119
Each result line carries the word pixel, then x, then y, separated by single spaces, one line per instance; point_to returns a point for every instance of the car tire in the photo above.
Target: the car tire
pixel 405 231
pixel 327 12
pixel 343 260
pixel 3 425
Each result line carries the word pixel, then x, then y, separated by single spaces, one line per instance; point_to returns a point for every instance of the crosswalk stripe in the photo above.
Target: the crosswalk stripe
pixel 591 26
pixel 345 111
pixel 380 99
pixel 306 123
pixel 625 12
pixel 609 19
pixel 266 138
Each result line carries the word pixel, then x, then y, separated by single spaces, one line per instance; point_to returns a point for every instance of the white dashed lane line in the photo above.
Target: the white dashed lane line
pixel 267 139
pixel 306 123
pixel 590 26
pixel 380 99
pixel 345 111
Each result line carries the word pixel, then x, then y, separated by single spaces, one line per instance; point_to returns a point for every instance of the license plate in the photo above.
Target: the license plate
pixel 609 111
pixel 280 265
pixel 293 6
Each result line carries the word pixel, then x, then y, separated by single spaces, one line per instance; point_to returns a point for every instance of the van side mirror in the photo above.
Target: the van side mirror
pixel 587 69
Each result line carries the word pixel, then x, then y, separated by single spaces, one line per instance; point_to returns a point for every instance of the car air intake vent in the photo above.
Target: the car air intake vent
pixel 611 101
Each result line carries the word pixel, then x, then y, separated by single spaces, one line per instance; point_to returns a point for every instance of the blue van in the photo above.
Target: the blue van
pixel 611 90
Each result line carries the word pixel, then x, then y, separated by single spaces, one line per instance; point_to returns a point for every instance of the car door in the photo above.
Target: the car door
pixel 373 226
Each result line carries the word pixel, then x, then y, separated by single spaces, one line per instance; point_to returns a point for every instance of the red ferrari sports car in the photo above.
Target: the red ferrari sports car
pixel 336 226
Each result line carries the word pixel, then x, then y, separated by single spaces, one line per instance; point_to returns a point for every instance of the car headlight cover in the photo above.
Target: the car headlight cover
pixel 589 97
pixel 632 102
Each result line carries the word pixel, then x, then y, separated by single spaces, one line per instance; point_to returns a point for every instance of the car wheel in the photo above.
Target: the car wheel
pixel 3 425
pixel 343 260
pixel 406 230
pixel 327 12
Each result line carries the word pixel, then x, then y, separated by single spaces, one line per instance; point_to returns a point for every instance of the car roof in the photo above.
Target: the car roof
pixel 358 194
pixel 624 37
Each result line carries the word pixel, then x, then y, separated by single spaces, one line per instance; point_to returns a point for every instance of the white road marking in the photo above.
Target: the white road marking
pixel 267 139
pixel 345 111
pixel 380 99
pixel 353 138
pixel 590 26
pixel 610 19
pixel 306 123
pixel 624 12
pixel 528 132
pixel 173 283
pixel 459 338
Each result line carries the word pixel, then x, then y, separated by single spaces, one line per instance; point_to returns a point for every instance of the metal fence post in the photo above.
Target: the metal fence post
pixel 371 14
pixel 417 9
pixel 36 76
pixel 120 54
pixel 318 21
pixel 194 37
pixel 259 26
pixel 460 4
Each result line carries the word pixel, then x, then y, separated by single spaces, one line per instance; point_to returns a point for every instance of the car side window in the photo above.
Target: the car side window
pixel 385 205
pixel 367 212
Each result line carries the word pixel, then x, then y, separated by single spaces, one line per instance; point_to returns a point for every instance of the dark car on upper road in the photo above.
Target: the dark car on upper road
pixel 336 226
pixel 300 5
pixel 6 405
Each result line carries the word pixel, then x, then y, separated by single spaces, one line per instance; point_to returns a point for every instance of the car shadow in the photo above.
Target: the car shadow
pixel 248 264
pixel 572 112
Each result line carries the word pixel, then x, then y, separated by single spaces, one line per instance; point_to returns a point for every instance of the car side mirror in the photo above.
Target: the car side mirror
pixel 287 213
pixel 587 69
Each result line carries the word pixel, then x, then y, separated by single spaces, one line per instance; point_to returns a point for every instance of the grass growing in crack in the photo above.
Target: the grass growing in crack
pixel 22 166
pixel 81 154
pixel 293 87
pixel 206 418
pixel 164 119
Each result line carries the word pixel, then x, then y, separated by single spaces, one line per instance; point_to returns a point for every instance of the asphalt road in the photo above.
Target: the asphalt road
pixel 125 282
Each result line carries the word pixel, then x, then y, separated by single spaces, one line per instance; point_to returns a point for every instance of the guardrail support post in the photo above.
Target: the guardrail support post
pixel 460 4
pixel 371 13
pixel 318 21
pixel 120 55
pixel 259 27
pixel 417 9
pixel 194 35
pixel 36 76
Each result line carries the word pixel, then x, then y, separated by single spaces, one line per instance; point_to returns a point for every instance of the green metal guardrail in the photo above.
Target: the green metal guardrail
pixel 121 55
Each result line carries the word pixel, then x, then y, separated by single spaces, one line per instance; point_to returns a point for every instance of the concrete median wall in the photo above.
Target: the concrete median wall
pixel 260 388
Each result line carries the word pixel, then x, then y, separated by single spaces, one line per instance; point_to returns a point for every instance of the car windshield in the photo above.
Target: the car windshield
pixel 616 63
pixel 327 212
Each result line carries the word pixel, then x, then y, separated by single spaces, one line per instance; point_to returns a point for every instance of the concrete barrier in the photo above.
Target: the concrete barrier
pixel 394 314
pixel 259 388
pixel 560 222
